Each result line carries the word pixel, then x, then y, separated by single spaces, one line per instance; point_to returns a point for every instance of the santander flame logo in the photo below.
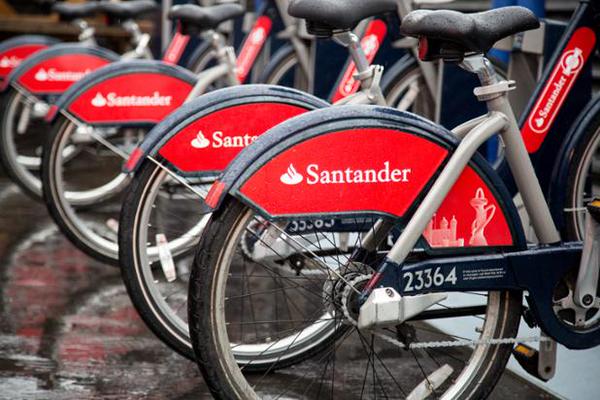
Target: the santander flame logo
pixel 10 62
pixel 99 100
pixel 572 61
pixel 315 175
pixel 41 75
pixel 563 77
pixel 200 141
pixel 291 176
pixel 258 36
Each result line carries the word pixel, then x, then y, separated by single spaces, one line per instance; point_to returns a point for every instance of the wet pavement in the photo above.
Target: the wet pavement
pixel 68 330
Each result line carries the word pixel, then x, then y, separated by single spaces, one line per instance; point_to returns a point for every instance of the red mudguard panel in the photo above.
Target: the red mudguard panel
pixel 11 58
pixel 353 170
pixel 376 170
pixel 56 74
pixel 211 142
pixel 370 43
pixel 136 97
pixel 564 75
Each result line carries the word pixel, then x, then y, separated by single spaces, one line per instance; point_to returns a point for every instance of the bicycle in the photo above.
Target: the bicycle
pixel 36 83
pixel 161 219
pixel 68 195
pixel 320 282
pixel 157 226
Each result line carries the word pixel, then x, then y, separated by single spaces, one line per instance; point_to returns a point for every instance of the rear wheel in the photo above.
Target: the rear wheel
pixel 404 88
pixel 22 135
pixel 583 182
pixel 83 193
pixel 160 212
pixel 291 294
pixel 203 57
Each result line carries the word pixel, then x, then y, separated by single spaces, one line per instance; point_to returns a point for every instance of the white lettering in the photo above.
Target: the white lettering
pixel 52 75
pixel 114 100
pixel 341 176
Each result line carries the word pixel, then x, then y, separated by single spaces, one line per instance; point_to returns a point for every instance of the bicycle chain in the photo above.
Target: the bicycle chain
pixel 435 344
pixel 460 343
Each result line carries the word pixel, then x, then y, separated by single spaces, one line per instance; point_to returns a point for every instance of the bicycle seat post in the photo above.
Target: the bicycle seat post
pixel 349 40
pixel 225 53
pixel 139 40
pixel 87 32
pixel 368 75
pixel 481 66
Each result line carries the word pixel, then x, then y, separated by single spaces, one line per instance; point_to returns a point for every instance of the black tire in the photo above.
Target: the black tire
pixel 216 365
pixel 284 69
pixel 582 180
pixel 26 179
pixel 156 203
pixel 63 211
pixel 150 305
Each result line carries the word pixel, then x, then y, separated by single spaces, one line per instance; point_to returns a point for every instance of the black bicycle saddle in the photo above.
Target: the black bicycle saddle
pixel 129 9
pixel 71 11
pixel 341 15
pixel 204 18
pixel 456 32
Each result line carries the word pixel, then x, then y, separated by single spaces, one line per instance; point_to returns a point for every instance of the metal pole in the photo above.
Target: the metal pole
pixel 165 23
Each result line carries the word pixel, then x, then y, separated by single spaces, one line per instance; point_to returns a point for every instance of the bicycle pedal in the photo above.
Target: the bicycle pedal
pixel 528 359
pixel 593 208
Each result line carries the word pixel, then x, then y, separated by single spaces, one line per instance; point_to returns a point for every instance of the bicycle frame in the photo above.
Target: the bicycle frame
pixel 475 133
pixel 492 272
pixel 490 269
pixel 549 145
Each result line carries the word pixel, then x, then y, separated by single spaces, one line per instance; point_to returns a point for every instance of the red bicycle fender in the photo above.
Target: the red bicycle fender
pixel 208 144
pixel 377 170
pixel 56 74
pixel 14 56
pixel 135 97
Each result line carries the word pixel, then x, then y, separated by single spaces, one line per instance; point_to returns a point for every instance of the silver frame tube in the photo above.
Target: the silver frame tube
pixel 494 123
pixel 500 119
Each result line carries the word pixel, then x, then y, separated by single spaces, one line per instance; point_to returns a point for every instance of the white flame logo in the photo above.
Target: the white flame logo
pixel 41 75
pixel 572 61
pixel 98 100
pixel 539 122
pixel 291 176
pixel 9 62
pixel 258 36
pixel 200 141
pixel 5 62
